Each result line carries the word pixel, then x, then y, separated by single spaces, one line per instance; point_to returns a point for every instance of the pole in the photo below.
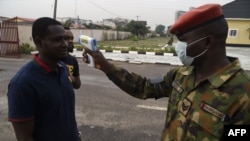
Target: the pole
pixel 55 6
pixel 78 22
pixel 136 26
pixel 137 17
pixel 75 7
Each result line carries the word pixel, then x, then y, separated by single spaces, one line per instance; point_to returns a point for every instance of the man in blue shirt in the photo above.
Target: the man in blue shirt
pixel 41 98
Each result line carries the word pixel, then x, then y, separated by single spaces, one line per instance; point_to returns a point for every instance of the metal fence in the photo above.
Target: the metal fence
pixel 9 40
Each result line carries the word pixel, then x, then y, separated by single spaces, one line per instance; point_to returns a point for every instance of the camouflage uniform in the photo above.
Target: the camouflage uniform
pixel 196 112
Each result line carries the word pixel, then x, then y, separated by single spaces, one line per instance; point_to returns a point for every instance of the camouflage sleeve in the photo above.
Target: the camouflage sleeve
pixel 246 110
pixel 140 87
pixel 242 115
pixel 241 108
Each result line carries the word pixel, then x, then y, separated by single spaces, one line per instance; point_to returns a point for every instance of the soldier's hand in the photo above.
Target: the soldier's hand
pixel 100 61
pixel 85 57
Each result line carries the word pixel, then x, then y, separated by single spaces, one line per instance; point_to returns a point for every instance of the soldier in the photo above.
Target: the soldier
pixel 209 91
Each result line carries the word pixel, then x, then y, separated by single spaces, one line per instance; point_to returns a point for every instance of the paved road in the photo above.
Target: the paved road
pixel 103 111
pixel 108 114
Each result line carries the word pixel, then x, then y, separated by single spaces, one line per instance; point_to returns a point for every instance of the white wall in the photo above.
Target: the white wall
pixel 24 32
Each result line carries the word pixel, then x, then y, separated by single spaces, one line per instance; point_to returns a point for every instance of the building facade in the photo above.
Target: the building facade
pixel 237 14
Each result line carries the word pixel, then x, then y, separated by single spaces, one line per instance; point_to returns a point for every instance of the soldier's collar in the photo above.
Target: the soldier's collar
pixel 186 70
pixel 225 73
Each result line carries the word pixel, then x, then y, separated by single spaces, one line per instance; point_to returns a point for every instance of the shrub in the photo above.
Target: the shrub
pixel 134 38
pixel 153 35
pixel 25 48
pixel 100 46
pixel 79 47
pixel 171 49
pixel 133 49
pixel 108 49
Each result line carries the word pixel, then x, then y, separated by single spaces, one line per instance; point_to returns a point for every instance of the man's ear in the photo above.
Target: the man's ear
pixel 38 41
pixel 210 41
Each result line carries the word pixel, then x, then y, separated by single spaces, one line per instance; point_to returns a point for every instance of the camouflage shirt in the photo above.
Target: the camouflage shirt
pixel 195 111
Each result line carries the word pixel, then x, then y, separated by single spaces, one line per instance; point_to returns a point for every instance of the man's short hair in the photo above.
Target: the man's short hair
pixel 40 26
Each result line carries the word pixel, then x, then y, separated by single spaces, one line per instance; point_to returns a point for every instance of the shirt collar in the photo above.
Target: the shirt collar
pixel 42 63
pixel 225 73
pixel 221 75
pixel 186 70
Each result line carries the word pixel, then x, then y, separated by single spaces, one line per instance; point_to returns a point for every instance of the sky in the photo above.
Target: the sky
pixel 155 12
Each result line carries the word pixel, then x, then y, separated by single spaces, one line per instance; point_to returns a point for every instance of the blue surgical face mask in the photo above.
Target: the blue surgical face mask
pixel 181 51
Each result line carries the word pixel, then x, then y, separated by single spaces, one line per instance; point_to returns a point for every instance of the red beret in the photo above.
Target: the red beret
pixel 196 17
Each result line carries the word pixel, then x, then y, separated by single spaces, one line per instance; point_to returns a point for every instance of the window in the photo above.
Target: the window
pixel 233 33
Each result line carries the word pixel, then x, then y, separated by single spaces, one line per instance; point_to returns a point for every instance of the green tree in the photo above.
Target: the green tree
pixel 138 28
pixel 67 23
pixel 160 30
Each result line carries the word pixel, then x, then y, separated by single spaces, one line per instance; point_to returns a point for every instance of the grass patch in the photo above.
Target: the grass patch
pixel 142 45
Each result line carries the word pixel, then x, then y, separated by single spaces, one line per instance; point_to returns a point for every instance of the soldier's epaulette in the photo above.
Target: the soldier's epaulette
pixel 177 87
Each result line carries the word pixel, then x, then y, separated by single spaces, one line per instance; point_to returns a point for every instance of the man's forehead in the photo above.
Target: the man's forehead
pixel 56 29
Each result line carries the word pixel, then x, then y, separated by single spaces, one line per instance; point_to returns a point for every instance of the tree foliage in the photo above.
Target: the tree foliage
pixel 137 27
pixel 119 22
pixel 160 30
pixel 67 23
